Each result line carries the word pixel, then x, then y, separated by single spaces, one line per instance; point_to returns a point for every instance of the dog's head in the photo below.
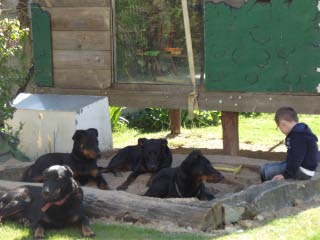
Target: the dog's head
pixel 86 143
pixel 199 167
pixel 152 152
pixel 57 183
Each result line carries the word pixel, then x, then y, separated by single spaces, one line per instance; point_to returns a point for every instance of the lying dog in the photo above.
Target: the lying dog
pixel 149 156
pixel 55 205
pixel 82 160
pixel 185 181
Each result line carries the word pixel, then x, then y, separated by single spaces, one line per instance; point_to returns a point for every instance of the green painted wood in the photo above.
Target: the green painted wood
pixel 42 50
pixel 262 47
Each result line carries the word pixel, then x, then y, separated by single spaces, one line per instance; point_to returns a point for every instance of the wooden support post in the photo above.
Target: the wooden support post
pixel 230 122
pixel 175 121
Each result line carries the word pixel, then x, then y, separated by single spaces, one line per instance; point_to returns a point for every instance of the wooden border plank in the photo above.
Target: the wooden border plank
pixel 232 101
pixel 73 59
pixel 80 18
pixel 81 40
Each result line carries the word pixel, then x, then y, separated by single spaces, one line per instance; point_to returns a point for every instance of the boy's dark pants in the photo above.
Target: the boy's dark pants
pixel 269 170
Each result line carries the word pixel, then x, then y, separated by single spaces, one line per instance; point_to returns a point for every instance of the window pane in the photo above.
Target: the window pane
pixel 151 45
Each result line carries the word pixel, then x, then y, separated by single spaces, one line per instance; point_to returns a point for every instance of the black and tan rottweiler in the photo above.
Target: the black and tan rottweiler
pixel 57 204
pixel 185 181
pixel 149 156
pixel 82 160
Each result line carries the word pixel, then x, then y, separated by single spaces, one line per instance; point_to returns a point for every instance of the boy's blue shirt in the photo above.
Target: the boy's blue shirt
pixel 302 150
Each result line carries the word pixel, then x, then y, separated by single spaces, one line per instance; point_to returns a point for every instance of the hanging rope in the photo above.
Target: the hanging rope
pixel 193 96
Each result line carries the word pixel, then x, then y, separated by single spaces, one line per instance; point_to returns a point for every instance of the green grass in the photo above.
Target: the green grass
pixel 12 231
pixel 304 226
pixel 260 130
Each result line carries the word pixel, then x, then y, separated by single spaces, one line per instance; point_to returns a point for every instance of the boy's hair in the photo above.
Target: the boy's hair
pixel 286 113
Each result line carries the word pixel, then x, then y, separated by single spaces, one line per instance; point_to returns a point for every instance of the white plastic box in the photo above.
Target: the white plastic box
pixel 49 121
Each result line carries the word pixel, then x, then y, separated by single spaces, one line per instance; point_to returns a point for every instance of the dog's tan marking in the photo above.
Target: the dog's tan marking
pixel 87 232
pixel 39 233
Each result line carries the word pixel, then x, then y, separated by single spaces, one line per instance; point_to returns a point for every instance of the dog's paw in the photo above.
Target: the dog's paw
pixel 117 174
pixel 104 186
pixel 39 233
pixel 87 232
pixel 122 188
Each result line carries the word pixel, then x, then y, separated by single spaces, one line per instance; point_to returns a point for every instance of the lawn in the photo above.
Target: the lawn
pixel 304 226
pixel 260 132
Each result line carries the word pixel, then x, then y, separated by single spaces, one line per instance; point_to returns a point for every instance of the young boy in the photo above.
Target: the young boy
pixel 302 149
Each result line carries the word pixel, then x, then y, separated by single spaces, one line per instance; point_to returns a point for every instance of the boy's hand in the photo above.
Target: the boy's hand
pixel 278 177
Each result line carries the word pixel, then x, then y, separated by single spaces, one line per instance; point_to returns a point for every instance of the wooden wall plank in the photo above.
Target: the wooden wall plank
pixel 82 78
pixel 80 18
pixel 74 3
pixel 73 59
pixel 81 40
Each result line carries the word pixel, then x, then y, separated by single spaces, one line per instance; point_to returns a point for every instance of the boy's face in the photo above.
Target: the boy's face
pixel 286 126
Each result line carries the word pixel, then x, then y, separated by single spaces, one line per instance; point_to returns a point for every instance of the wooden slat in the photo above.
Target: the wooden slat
pixel 81 40
pixel 74 3
pixel 80 18
pixel 71 59
pixel 82 78
pixel 232 101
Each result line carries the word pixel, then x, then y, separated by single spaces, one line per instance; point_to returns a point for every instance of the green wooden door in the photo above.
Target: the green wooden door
pixel 42 50
pixel 262 46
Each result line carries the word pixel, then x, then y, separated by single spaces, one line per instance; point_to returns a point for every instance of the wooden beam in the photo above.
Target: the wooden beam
pixel 230 122
pixel 129 207
pixel 175 97
pixel 175 121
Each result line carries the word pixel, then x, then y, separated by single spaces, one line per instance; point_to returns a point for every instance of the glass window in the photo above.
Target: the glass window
pixel 150 41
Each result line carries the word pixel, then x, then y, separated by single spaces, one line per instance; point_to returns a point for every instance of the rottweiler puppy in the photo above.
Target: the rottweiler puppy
pixel 55 205
pixel 149 156
pixel 82 160
pixel 185 181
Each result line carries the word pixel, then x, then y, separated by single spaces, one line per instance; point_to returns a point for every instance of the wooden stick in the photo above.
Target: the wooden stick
pixel 192 98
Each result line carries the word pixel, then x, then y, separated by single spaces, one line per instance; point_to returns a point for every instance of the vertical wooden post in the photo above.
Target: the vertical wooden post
pixel 175 121
pixel 230 123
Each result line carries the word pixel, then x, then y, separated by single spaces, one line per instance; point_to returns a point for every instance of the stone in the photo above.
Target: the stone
pixel 247 223
pixel 232 214
pixel 259 217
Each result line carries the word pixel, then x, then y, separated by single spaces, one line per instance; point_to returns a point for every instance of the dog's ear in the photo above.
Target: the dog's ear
pixel 141 141
pixel 78 134
pixel 69 170
pixel 45 171
pixel 164 142
pixel 94 131
pixel 192 158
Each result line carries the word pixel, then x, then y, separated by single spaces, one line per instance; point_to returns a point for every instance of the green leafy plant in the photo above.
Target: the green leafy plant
pixel 12 38
pixel 156 119
pixel 118 122
pixel 12 76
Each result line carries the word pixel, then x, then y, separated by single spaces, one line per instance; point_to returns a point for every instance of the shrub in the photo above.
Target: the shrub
pixel 156 119
pixel 12 38
pixel 118 123
pixel 12 76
